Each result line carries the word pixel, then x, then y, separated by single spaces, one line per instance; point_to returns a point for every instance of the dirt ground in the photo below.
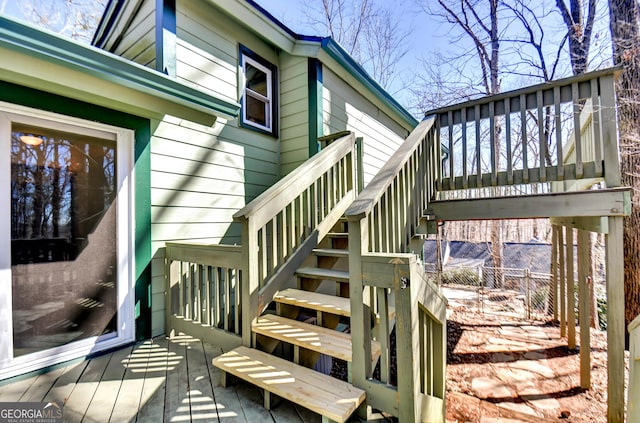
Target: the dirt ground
pixel 505 369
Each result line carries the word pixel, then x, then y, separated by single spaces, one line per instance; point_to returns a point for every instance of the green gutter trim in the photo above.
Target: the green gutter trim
pixel 93 61
pixel 337 53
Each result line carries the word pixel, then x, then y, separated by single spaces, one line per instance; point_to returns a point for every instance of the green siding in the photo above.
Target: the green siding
pixel 138 43
pixel 45 101
pixel 345 109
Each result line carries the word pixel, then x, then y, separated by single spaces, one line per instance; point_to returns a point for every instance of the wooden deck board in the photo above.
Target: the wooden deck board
pixel 151 382
pixel 127 402
pixel 106 393
pixel 151 406
pixel 65 384
pixel 81 396
pixel 177 407
pixel 41 386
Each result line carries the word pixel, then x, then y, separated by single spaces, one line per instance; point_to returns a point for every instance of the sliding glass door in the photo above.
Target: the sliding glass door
pixel 68 266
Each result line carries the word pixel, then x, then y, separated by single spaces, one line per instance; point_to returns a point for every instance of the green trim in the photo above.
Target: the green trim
pixel 166 37
pixel 316 127
pixel 36 99
pixel 93 61
pixel 337 53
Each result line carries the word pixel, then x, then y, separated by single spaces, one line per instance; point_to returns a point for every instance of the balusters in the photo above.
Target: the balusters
pixel 577 128
pixel 524 139
pixel 558 123
pixel 597 136
pixel 507 125
pixel 476 116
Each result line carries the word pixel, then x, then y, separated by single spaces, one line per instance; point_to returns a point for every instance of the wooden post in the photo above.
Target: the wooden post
pixel 563 283
pixel 584 309
pixel 554 271
pixel 250 279
pixel 360 314
pixel 615 319
pixel 571 298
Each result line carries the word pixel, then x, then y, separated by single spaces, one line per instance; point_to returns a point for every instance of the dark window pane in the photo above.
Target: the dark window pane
pixel 256 80
pixel 63 242
pixel 256 110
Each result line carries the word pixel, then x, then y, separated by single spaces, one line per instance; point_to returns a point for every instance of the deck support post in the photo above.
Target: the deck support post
pixel 563 283
pixel 571 298
pixel 554 272
pixel 615 319
pixel 360 312
pixel 584 309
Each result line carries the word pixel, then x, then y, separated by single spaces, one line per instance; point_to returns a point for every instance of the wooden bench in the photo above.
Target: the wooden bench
pixel 333 399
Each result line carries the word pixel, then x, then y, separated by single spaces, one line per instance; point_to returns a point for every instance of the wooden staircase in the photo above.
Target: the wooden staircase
pixel 305 322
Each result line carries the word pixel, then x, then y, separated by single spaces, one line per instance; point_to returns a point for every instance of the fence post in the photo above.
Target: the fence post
pixel 527 281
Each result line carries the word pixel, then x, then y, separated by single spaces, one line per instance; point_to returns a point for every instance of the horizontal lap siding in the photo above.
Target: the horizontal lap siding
pixel 294 111
pixel 345 109
pixel 138 42
pixel 200 176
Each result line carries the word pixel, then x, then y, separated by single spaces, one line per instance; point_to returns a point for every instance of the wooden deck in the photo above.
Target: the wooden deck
pixel 163 380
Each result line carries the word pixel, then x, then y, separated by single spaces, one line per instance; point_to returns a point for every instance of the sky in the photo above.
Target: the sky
pixel 426 36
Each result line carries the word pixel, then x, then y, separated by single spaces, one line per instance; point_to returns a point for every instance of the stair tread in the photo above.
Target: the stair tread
pixel 315 338
pixel 315 301
pixel 320 393
pixel 331 252
pixel 320 273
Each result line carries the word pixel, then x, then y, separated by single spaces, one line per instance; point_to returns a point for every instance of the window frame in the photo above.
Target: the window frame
pixel 248 57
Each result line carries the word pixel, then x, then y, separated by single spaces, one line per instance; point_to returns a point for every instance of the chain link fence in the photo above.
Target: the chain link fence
pixel 518 292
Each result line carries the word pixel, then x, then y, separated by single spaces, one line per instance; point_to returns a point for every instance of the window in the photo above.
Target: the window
pixel 258 92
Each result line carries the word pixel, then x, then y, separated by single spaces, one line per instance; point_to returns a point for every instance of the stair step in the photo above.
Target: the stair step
pixel 338 235
pixel 315 338
pixel 325 395
pixel 315 301
pixel 331 252
pixel 323 274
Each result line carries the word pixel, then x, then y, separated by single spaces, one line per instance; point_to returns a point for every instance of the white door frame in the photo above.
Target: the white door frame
pixel 125 333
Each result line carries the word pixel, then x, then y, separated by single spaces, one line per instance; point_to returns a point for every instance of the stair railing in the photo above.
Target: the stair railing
pixel 388 281
pixel 281 227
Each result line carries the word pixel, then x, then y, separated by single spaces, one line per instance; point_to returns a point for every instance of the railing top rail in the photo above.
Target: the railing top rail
pixel 293 184
pixel 379 184
pixel 615 71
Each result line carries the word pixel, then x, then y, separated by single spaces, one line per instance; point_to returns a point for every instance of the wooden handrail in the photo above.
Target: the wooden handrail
pixel 292 185
pixel 380 183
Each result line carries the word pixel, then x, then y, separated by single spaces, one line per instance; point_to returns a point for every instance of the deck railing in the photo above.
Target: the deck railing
pixel 382 223
pixel 204 285
pixel 281 227
pixel 518 138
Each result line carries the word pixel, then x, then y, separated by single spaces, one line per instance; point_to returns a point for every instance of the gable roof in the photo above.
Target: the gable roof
pixel 258 20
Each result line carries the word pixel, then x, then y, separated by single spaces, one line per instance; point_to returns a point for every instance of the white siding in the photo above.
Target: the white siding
pixel 294 108
pixel 138 42
pixel 345 109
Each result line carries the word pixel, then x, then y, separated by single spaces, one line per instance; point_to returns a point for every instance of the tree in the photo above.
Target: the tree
pixel 76 19
pixel 372 34
pixel 625 35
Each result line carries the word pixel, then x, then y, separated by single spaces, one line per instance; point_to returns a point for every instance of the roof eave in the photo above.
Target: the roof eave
pixel 92 61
